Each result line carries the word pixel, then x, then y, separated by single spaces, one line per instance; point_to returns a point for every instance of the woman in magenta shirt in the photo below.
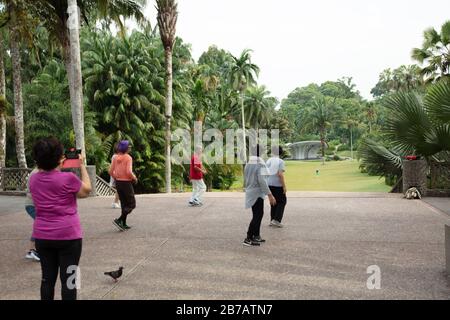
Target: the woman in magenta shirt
pixel 57 228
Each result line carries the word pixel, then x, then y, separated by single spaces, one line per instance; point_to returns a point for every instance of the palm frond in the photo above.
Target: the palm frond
pixel 437 102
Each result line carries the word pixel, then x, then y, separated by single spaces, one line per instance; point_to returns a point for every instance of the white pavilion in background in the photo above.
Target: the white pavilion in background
pixel 306 150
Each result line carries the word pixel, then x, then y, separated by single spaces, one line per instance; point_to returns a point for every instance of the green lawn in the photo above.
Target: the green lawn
pixel 343 176
pixel 333 176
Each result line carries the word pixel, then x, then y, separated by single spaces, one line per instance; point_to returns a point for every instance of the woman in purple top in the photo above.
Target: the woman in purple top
pixel 57 228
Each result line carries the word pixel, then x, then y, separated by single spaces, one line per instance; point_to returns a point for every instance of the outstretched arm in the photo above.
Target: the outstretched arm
pixel 265 187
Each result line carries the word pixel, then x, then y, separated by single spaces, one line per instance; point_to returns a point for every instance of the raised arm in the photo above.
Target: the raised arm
pixel 86 186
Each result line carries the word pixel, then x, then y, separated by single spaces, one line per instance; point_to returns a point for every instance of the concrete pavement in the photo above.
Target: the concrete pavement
pixel 177 252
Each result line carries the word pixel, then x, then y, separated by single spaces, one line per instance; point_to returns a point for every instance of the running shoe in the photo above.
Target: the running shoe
pixel 116 206
pixel 275 223
pixel 250 243
pixel 33 255
pixel 258 239
pixel 119 224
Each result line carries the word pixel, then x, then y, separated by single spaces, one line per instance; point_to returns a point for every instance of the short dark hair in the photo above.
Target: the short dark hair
pixel 47 153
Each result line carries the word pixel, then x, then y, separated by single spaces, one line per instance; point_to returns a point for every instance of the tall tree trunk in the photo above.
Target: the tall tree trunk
pixel 243 126
pixel 244 138
pixel 72 60
pixel 351 142
pixel 322 143
pixel 169 80
pixel 2 106
pixel 17 84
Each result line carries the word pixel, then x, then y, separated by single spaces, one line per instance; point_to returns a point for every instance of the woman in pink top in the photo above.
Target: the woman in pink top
pixel 122 171
pixel 57 228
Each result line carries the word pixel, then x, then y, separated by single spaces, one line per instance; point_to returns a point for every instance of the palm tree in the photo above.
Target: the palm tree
pixel 416 126
pixel 2 106
pixel 243 74
pixel 435 53
pixel 403 78
pixel 123 84
pixel 14 10
pixel 370 114
pixel 75 77
pixel 259 107
pixel 351 124
pixel 57 21
pixel 319 118
pixel 204 89
pixel 167 22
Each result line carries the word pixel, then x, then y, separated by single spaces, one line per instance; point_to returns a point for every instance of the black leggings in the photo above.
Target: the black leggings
pixel 127 199
pixel 62 255
pixel 255 224
pixel 277 211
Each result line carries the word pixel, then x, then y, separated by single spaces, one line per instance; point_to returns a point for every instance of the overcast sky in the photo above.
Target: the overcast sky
pixel 298 42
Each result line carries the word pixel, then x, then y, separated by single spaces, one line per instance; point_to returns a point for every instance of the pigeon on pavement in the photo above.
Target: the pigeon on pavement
pixel 115 274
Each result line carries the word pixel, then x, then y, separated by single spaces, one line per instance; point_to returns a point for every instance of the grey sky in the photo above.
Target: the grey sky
pixel 299 42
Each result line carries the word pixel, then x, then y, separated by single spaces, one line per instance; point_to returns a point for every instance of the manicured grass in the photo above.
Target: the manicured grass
pixel 339 176
pixel 342 176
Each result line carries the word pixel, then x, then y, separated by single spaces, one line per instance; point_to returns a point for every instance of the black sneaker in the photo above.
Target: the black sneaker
pixel 126 227
pixel 119 225
pixel 250 243
pixel 258 239
pixel 193 204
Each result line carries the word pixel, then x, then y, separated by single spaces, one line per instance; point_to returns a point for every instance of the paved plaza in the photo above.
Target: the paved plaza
pixel 177 252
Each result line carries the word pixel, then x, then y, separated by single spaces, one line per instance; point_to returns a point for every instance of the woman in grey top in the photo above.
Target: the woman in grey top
pixel 256 189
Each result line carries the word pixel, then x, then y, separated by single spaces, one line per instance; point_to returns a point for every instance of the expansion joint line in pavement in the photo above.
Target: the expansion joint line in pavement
pixel 135 268
pixel 142 261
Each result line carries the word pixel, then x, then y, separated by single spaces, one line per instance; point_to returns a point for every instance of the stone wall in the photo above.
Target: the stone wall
pixel 415 175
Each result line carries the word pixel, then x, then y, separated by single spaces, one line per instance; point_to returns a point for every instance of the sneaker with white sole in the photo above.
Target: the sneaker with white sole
pixel 276 224
pixel 33 255
pixel 119 224
pixel 250 243
pixel 198 203
pixel 258 239
pixel 116 206
pixel 195 203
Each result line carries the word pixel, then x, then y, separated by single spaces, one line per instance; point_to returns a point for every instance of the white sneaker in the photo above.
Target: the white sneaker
pixel 33 255
pixel 116 206
pixel 275 223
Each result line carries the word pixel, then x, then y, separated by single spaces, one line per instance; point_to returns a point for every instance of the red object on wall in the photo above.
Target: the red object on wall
pixel 411 158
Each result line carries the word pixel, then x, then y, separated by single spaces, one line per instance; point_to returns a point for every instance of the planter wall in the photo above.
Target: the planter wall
pixel 415 175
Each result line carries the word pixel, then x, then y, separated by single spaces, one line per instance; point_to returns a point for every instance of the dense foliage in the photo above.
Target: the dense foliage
pixel 124 95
